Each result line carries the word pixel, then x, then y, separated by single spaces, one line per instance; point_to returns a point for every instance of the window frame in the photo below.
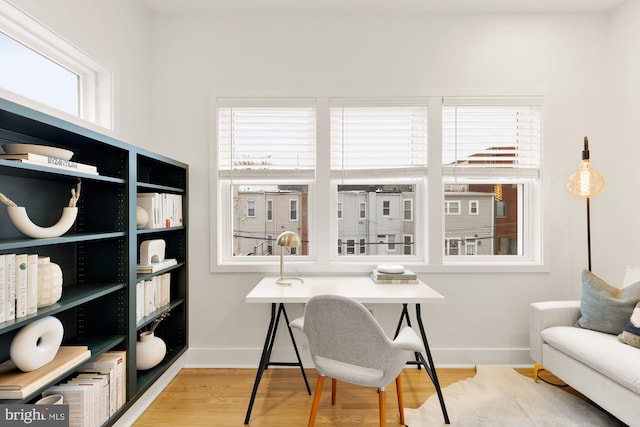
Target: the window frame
pixel 95 104
pixel 429 255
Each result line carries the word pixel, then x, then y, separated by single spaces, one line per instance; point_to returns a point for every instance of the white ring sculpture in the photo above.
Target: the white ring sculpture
pixel 36 344
pixel 20 218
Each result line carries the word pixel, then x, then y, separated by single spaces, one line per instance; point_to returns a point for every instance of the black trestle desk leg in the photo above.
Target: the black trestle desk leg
pixel 405 316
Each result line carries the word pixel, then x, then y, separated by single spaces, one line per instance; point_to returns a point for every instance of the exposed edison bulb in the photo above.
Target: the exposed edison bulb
pixel 586 182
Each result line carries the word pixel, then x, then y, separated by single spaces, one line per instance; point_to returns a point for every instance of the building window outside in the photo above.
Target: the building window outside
pixel 363 247
pixel 293 210
pixel 408 209
pixel 39 65
pixel 251 208
pixel 408 244
pixel 269 210
pixel 452 207
pixel 351 248
pixel 473 207
pixel 451 246
pixel 386 208
pixel 470 246
pixel 363 211
pixel 339 210
pixel 501 209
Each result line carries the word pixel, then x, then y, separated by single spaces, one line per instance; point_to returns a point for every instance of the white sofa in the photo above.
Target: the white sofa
pixel 596 364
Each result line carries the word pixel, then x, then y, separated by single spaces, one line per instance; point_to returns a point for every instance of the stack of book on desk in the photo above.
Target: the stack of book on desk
pixel 405 277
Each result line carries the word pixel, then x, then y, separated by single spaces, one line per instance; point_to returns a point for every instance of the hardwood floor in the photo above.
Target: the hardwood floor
pixel 219 398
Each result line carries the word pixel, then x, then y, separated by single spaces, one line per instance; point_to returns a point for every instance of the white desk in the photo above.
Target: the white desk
pixel 360 288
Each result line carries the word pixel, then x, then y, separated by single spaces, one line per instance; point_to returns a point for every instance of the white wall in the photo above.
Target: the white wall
pixel 194 57
pixel 485 317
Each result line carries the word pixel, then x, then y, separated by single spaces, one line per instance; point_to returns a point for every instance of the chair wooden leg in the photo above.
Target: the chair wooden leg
pixel 316 401
pixel 400 401
pixel 334 389
pixel 383 407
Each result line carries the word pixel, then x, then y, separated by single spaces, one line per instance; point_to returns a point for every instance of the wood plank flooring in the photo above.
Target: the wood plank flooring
pixel 219 398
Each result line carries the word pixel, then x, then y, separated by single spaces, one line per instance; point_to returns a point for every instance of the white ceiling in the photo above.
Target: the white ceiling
pixel 385 6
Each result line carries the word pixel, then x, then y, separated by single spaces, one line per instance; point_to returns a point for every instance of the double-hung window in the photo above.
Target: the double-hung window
pixel 491 153
pixel 265 162
pixel 378 163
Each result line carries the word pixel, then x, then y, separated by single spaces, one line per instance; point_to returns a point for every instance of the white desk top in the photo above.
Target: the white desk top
pixel 360 288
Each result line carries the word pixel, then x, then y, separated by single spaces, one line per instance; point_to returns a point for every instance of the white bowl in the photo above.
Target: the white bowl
pixel 43 150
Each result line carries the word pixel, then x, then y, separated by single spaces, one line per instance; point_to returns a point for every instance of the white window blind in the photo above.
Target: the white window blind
pixel 502 134
pixel 374 134
pixel 265 135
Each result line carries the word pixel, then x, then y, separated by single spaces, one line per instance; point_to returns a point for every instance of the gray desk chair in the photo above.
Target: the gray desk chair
pixel 347 344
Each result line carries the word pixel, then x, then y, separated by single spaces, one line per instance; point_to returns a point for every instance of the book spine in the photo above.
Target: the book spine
pixel 3 286
pixel 10 287
pixel 21 285
pixel 32 283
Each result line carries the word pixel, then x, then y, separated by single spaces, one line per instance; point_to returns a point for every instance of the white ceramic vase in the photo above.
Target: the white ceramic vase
pixel 20 218
pixel 142 217
pixel 49 282
pixel 150 350
pixel 36 344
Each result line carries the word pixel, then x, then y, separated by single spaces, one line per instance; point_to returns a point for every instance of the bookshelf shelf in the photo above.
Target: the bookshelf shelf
pixel 99 254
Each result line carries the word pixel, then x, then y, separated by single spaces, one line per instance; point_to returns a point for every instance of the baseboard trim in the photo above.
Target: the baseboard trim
pixel 442 357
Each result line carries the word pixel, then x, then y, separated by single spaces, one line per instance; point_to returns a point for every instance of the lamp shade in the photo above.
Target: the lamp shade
pixel 288 239
pixel 586 182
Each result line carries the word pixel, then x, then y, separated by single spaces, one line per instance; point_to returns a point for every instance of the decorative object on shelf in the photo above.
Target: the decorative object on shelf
pixel 150 349
pixel 36 344
pixel 52 399
pixel 286 239
pixel 586 182
pixel 142 217
pixel 19 217
pixel 49 282
pixel 43 150
pixel 152 251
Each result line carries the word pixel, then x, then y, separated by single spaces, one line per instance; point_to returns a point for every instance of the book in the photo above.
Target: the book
pixel 156 266
pixel 78 399
pixel 112 363
pixel 21 285
pixel 39 159
pixel 102 381
pixel 15 384
pixel 2 287
pixel 32 283
pixel 10 286
pixel 394 281
pixel 405 275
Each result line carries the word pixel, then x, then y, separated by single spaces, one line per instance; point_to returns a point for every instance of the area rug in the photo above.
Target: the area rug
pixel 498 396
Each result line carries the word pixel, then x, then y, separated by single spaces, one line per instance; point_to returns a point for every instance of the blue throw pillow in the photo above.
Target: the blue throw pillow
pixel 631 333
pixel 606 308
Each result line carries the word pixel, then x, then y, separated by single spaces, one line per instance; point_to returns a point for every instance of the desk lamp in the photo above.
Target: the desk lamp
pixel 586 182
pixel 286 239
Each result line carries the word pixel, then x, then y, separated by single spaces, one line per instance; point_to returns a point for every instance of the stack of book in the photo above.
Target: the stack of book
pixel 152 295
pixel 164 209
pixel 18 285
pixel 15 384
pixel 96 392
pixel 405 277
pixel 54 162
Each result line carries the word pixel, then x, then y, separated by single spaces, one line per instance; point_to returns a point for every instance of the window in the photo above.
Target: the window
pixel 366 199
pixel 265 151
pixel 251 208
pixel 269 210
pixel 452 207
pixel 491 155
pixel 378 162
pixel 38 65
pixel 408 209
pixel 293 210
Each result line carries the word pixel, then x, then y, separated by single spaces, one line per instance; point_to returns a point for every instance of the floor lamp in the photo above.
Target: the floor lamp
pixel 586 182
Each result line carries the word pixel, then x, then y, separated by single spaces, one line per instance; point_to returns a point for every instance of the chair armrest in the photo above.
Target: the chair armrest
pixel 543 315
pixel 407 339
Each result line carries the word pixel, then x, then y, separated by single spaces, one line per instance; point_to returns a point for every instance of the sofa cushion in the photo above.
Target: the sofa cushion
pixel 631 333
pixel 603 307
pixel 601 352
